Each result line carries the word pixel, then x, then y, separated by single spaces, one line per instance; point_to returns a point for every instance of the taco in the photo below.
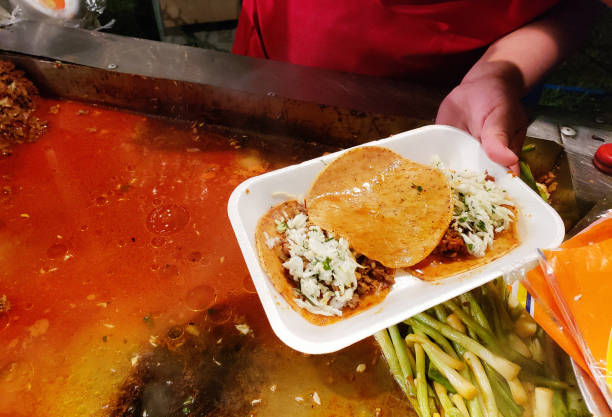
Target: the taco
pixel 316 271
pixel 482 229
pixel 336 254
pixel 390 208
pixel 370 212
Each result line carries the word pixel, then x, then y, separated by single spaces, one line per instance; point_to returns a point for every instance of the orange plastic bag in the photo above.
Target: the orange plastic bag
pixel 574 288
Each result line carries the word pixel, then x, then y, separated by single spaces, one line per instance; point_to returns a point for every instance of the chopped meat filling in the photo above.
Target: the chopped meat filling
pixel 17 121
pixel 371 279
pixel 451 245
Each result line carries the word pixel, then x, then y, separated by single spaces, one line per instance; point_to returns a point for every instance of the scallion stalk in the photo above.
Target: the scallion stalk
pixel 508 369
pixel 402 352
pixel 453 362
pixel 382 337
pixel 460 404
pixel 435 335
pixel 421 382
pixel 462 385
pixel 543 402
pixel 476 310
pixel 483 383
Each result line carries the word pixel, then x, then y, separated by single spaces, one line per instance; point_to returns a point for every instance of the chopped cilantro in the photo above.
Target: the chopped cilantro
pixel 470 247
pixel 481 226
pixel 281 226
pixel 329 238
pixel 462 220
pixel 417 187
pixel 326 264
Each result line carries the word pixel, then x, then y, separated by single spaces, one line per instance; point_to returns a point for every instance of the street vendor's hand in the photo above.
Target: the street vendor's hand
pixel 486 103
pixel 488 107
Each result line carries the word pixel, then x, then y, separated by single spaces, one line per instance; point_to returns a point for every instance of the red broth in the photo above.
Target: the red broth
pixel 113 235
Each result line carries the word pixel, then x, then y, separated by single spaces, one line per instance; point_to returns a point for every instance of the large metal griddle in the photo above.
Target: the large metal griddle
pixel 262 96
pixel 195 84
pixel 273 99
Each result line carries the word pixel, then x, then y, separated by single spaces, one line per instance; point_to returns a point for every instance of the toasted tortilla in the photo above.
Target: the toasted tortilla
pixel 436 267
pixel 272 265
pixel 390 209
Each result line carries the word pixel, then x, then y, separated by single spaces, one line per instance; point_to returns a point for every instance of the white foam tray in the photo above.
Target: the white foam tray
pixel 539 226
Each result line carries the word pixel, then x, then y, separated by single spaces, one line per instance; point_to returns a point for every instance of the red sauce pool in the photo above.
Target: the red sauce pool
pixel 94 238
pixel 113 227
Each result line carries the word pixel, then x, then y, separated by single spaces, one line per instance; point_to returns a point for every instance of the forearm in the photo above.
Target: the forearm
pixel 523 57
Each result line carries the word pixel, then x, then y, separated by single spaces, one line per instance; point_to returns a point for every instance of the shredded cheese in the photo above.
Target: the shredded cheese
pixel 479 208
pixel 321 264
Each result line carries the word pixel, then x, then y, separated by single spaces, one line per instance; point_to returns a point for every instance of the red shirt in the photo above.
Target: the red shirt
pixel 393 38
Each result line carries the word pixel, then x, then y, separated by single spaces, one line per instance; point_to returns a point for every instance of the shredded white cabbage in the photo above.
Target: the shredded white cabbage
pixel 271 241
pixel 479 210
pixel 322 266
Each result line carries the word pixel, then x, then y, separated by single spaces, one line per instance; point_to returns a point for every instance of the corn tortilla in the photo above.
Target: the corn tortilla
pixel 390 209
pixel 436 267
pixel 272 265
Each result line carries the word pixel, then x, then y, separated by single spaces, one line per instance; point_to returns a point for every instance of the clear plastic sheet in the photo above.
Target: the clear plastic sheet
pixel 73 13
pixel 573 287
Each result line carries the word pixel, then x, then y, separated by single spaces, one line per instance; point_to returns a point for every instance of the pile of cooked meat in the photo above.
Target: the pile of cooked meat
pixel 18 124
pixel 372 277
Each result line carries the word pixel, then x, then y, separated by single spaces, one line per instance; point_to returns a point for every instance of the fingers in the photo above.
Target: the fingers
pixel 449 113
pixel 502 135
pixel 496 118
pixel 495 145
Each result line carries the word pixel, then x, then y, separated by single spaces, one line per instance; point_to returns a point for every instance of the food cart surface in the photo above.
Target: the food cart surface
pixel 128 294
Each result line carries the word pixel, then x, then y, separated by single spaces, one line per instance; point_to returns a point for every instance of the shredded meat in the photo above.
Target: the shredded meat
pixel 372 278
pixel 451 245
pixel 17 121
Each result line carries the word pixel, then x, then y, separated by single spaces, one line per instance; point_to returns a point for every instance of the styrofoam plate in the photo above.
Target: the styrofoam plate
pixel 539 226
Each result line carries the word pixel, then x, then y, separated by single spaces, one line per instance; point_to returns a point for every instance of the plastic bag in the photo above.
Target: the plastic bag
pixel 579 276
pixel 571 291
pixel 73 13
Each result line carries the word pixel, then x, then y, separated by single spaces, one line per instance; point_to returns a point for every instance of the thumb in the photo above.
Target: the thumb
pixel 498 129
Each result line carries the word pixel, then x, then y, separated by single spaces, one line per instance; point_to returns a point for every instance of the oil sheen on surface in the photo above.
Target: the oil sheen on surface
pixel 128 294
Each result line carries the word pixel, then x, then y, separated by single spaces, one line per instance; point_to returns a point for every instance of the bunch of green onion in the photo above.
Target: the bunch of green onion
pixel 476 356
